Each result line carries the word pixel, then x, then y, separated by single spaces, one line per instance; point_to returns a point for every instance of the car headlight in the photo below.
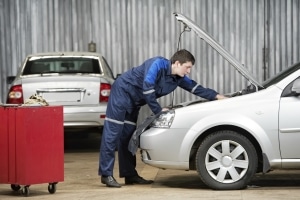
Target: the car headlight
pixel 164 120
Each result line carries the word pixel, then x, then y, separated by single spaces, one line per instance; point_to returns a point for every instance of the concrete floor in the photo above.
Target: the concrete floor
pixel 82 182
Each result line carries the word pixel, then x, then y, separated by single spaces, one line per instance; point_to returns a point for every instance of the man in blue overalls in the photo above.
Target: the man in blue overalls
pixel 141 85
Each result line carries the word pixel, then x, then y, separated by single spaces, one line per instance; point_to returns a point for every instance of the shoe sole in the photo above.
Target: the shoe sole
pixel 133 183
pixel 113 186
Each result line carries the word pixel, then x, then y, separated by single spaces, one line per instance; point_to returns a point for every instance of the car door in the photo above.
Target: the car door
pixel 289 124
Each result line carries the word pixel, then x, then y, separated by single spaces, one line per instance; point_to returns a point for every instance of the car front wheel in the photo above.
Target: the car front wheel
pixel 226 160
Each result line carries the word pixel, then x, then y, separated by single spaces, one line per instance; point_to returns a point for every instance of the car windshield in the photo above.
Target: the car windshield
pixel 62 65
pixel 278 77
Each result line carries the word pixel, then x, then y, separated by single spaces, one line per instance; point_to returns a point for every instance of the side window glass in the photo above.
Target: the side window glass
pixel 287 92
pixel 107 69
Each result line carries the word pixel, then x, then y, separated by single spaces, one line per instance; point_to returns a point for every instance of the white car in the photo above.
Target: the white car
pixel 79 81
pixel 228 141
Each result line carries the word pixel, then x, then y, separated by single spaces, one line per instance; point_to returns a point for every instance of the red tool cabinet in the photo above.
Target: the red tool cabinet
pixel 31 146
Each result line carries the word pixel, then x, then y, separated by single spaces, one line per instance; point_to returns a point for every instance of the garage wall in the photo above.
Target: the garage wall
pixel 282 34
pixel 126 32
pixel 262 34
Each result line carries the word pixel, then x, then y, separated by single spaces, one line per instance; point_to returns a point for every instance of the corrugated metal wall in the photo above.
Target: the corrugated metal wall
pixel 262 34
pixel 282 34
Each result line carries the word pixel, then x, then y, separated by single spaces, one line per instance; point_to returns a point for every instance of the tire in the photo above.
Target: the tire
pixel 226 160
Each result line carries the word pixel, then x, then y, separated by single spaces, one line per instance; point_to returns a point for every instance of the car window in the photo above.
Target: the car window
pixel 107 69
pixel 62 65
pixel 287 92
pixel 278 77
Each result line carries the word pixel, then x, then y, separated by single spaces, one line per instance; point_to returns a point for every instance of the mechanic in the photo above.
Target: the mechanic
pixel 138 86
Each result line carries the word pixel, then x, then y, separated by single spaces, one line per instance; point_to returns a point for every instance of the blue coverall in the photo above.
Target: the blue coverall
pixel 139 86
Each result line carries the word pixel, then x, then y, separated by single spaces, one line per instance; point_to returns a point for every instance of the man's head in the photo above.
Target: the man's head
pixel 183 56
pixel 182 61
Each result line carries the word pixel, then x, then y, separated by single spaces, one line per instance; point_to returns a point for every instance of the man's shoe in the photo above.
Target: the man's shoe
pixel 110 181
pixel 136 180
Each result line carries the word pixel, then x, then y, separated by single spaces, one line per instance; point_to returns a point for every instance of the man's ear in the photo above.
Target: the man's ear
pixel 177 63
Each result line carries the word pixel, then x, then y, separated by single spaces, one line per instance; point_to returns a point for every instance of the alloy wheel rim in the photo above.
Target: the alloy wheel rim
pixel 226 161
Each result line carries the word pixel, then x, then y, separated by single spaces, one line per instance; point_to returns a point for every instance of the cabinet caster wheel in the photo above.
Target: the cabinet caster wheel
pixel 52 188
pixel 15 187
pixel 25 191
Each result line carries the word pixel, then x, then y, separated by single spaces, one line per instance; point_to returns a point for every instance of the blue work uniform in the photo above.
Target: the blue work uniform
pixel 139 86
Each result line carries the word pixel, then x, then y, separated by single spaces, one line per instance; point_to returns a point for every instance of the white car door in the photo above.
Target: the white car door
pixel 289 126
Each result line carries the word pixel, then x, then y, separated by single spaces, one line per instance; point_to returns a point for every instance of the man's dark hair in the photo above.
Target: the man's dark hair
pixel 182 56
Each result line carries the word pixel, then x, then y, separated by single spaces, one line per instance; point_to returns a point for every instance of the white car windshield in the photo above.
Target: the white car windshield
pixel 62 65
pixel 278 77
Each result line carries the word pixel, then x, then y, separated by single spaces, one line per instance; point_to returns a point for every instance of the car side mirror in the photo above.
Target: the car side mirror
pixel 10 79
pixel 296 87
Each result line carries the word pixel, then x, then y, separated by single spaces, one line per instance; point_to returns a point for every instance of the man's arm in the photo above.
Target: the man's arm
pixel 149 85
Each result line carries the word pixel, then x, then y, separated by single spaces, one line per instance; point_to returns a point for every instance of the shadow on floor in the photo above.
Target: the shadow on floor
pixel 82 141
pixel 191 180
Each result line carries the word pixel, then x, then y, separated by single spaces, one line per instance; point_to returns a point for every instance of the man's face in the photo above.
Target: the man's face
pixel 183 69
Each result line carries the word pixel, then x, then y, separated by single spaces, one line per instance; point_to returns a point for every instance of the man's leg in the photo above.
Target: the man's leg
pixel 127 161
pixel 113 126
pixel 109 141
pixel 107 153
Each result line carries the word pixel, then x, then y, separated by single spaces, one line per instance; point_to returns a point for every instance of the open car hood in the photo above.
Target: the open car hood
pixel 221 50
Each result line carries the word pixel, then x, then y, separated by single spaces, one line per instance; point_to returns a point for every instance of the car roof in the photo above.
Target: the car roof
pixel 67 53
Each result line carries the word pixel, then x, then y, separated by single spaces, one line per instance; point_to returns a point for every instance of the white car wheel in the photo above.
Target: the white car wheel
pixel 226 160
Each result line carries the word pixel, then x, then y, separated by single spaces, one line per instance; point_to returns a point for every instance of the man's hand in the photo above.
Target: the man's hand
pixel 165 109
pixel 220 97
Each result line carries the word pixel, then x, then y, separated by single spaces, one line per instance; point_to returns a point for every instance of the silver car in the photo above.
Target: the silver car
pixel 227 141
pixel 79 81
